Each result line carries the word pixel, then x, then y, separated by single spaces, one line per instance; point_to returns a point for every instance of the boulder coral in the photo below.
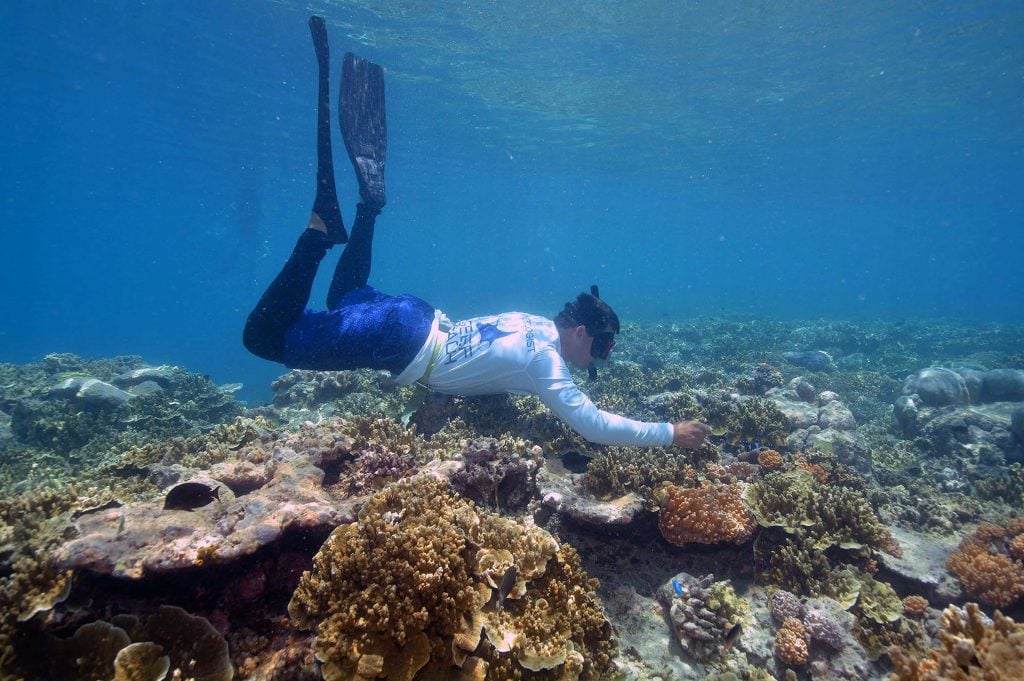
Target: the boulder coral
pixel 790 645
pixel 709 514
pixel 408 592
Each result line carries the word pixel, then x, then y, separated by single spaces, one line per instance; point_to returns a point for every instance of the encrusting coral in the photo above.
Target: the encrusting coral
pixel 709 514
pixel 970 648
pixel 407 591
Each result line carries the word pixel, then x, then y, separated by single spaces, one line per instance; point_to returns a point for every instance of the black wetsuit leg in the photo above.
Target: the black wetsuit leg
pixel 286 297
pixel 353 268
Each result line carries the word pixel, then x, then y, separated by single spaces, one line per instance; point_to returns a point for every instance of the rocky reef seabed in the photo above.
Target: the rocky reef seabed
pixel 856 514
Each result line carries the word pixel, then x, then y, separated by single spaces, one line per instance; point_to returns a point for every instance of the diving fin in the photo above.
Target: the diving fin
pixel 325 206
pixel 364 125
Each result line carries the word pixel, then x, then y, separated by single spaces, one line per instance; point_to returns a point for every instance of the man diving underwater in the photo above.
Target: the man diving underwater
pixel 512 352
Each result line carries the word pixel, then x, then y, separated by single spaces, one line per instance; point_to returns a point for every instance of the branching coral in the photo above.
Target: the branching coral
pixel 709 514
pixel 970 649
pixel 757 418
pixel 827 515
pixel 407 588
pixel 620 470
pixel 986 564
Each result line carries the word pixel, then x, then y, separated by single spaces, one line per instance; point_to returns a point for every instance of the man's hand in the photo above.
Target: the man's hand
pixel 689 434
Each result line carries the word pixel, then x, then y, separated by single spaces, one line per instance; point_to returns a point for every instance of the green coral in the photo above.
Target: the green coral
pixel 1008 486
pixel 407 586
pixel 620 470
pixel 757 418
pixel 723 601
pixel 826 515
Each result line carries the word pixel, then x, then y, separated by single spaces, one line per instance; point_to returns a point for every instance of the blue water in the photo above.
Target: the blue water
pixel 792 159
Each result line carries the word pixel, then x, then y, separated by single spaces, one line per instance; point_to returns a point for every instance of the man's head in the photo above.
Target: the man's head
pixel 587 328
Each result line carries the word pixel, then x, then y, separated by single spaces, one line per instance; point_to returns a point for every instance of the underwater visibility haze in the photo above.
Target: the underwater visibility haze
pixel 789 159
pixel 808 216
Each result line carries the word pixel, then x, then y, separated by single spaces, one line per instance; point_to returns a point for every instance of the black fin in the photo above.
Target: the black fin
pixel 364 125
pixel 326 203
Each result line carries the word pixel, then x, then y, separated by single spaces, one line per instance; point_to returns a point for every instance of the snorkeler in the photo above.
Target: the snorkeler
pixel 362 327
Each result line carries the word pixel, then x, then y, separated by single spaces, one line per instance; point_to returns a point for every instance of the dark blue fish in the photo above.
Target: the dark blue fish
pixel 189 496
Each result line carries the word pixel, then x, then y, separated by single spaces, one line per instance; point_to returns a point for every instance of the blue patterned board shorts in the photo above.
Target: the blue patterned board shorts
pixel 367 329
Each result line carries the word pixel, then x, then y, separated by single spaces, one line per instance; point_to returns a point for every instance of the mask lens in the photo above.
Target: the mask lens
pixel 602 345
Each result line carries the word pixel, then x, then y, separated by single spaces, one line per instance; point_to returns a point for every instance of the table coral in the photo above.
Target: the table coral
pixel 987 567
pixel 406 592
pixel 970 648
pixel 709 514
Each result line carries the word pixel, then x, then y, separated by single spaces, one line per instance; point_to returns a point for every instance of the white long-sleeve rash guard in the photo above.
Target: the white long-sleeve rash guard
pixel 519 353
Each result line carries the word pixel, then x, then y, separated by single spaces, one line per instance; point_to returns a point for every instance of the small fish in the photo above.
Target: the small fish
pixel 680 591
pixel 189 496
pixel 730 637
pixel 507 582
pixel 120 525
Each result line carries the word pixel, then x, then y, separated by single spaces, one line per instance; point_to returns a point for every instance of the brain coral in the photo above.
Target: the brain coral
pixel 709 514
pixel 407 592
pixel 986 566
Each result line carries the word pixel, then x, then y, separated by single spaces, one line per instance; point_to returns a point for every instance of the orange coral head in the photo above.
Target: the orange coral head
pixel 769 459
pixel 709 514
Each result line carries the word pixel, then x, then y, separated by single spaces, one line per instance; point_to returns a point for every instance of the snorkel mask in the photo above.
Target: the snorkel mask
pixel 600 321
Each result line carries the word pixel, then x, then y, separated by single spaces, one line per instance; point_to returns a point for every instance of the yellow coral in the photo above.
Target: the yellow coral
pixel 709 514
pixel 790 644
pixel 404 592
pixel 969 649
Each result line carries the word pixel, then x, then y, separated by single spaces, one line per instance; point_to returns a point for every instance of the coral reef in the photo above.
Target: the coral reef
pixel 915 606
pixel 790 646
pixel 168 641
pixel 406 591
pixel 621 470
pixel 709 514
pixel 88 408
pixel 989 565
pixel 498 473
pixel 826 515
pixel 970 648
pixel 703 612
pixel 785 605
pixel 757 419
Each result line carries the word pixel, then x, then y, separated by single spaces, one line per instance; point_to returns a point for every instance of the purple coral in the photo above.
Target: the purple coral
pixel 784 605
pixel 823 630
